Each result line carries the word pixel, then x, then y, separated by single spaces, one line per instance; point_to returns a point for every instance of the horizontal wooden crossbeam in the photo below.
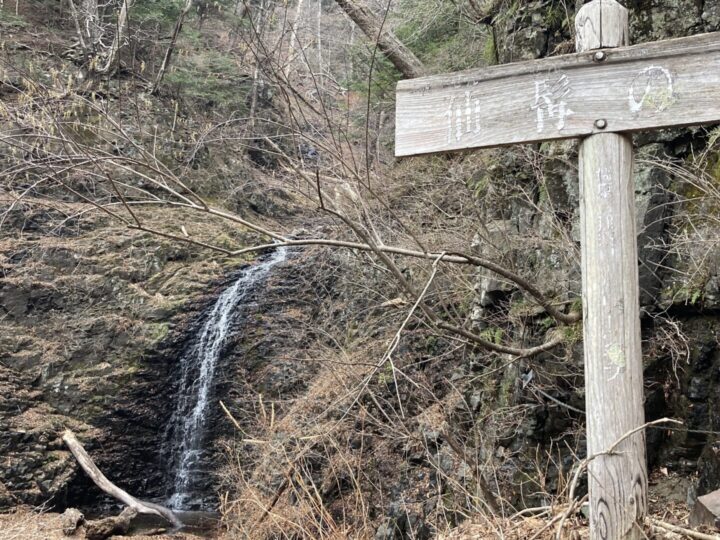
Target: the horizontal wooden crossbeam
pixel 654 85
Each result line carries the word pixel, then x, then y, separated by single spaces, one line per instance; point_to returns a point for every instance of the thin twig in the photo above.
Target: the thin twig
pixel 682 530
pixel 584 463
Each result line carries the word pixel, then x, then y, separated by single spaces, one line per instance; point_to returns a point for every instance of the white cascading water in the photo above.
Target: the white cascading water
pixel 197 380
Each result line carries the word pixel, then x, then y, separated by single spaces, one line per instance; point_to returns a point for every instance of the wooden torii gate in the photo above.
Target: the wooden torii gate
pixel 600 94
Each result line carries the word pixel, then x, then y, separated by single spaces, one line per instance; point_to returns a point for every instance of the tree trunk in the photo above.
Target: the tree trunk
pixel 78 28
pixel 100 529
pixel 91 22
pixel 401 57
pixel 293 39
pixel 117 43
pixel 319 44
pixel 173 41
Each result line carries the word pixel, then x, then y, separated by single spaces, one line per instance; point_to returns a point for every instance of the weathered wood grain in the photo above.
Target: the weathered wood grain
pixel 669 83
pixel 613 358
pixel 611 310
pixel 601 24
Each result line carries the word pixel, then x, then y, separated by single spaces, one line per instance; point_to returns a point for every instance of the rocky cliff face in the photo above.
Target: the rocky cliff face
pixel 93 318
pixel 678 267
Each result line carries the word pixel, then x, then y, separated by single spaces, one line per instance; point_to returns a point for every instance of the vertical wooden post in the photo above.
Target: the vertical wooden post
pixel 613 357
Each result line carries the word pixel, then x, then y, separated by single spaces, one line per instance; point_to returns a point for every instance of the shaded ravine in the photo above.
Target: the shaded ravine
pixel 186 441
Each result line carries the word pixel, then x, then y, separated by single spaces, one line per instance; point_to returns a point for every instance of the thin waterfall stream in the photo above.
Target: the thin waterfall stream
pixel 186 445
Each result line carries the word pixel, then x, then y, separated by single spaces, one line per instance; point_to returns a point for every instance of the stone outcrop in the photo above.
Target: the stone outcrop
pixel 91 322
pixel 535 234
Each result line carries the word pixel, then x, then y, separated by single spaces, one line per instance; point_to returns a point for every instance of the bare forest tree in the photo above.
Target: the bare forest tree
pixel 171 47
pixel 292 45
pixel 93 30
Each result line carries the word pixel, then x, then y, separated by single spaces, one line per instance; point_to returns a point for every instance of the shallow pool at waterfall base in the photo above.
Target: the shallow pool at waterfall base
pixel 199 523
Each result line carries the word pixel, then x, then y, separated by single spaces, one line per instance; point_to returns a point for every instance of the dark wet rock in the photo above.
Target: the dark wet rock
pixel 711 16
pixel 7 499
pixel 265 201
pixel 709 469
pixel 402 524
pixel 36 464
pixel 653 213
pixel 523 36
pixel 681 388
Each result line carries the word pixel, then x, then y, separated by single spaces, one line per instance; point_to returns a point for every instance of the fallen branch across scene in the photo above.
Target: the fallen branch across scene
pixel 108 487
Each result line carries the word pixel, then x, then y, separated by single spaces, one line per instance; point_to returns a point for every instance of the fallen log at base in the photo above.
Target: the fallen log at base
pixel 101 529
pixel 111 489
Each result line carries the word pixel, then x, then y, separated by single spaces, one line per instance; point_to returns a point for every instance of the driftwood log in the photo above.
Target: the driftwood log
pixel 111 489
pixel 101 529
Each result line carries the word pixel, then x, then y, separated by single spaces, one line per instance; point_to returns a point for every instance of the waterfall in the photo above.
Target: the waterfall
pixel 197 371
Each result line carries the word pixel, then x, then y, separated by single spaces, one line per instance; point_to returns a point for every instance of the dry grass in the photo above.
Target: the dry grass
pixel 667 504
pixel 278 495
pixel 31 524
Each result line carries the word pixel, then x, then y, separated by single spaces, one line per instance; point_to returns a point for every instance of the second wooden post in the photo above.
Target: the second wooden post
pixel 613 357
